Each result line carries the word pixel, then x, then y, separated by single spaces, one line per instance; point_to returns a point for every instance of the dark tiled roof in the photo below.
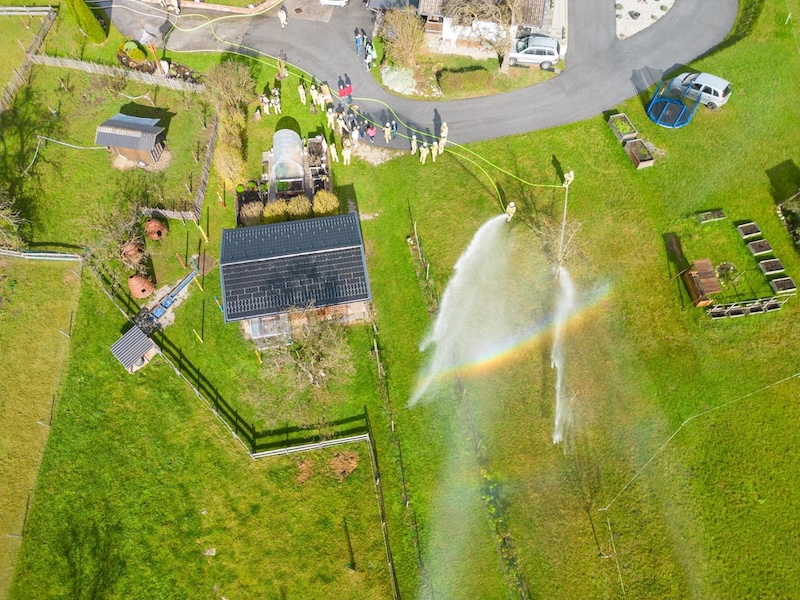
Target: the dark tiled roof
pixel 268 269
pixel 291 237
pixel 131 347
pixel 124 131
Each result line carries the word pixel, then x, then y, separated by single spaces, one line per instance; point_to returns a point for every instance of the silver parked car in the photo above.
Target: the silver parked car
pixel 712 91
pixel 535 50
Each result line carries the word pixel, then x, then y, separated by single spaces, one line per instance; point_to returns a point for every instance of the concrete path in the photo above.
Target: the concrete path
pixel 600 72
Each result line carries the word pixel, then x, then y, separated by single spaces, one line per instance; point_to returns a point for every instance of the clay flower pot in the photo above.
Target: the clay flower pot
pixel 140 286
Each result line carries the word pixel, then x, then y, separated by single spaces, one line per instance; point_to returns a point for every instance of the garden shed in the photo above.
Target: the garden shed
pixel 134 349
pixel 268 269
pixel 136 138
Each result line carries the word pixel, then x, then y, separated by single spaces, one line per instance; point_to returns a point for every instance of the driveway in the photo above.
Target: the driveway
pixel 601 70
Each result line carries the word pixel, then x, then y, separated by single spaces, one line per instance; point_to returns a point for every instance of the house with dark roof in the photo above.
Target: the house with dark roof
pixel 136 138
pixel 268 269
pixel 134 349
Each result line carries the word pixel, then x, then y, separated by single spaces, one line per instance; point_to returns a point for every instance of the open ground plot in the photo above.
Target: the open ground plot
pixel 704 517
pixel 67 191
pixel 34 357
pixel 16 35
pixel 144 494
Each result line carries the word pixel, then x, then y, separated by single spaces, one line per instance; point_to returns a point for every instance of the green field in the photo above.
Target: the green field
pixel 34 355
pixel 82 102
pixel 135 460
pixel 16 35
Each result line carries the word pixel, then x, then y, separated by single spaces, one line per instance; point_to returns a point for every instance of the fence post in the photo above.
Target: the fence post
pixel 253 436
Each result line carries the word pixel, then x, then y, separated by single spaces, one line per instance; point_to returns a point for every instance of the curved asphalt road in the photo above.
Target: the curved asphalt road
pixel 600 72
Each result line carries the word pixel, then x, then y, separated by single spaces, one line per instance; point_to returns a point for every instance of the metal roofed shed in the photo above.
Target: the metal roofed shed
pixel 134 349
pixel 135 138
pixel 268 269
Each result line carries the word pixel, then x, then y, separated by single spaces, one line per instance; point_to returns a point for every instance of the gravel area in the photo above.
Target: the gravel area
pixel 649 11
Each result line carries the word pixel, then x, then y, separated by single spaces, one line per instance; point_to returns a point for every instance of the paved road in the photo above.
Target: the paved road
pixel 601 71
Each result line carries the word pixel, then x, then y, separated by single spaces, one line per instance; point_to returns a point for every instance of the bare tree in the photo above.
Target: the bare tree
pixel 10 222
pixel 549 232
pixel 403 36
pixel 231 84
pixel 504 13
pixel 115 234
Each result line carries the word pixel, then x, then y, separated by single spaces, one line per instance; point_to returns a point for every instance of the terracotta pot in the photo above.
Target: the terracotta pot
pixel 155 229
pixel 140 286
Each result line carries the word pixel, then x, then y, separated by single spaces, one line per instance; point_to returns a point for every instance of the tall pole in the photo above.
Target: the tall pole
pixel 568 178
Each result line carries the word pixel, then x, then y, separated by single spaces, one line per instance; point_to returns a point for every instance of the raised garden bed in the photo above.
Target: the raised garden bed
pixel 711 215
pixel 772 266
pixel 622 127
pixel 748 230
pixel 784 285
pixel 639 154
pixel 759 247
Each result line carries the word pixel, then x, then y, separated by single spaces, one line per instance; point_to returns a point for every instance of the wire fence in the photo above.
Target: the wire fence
pixel 20 76
pixel 107 70
pixel 33 255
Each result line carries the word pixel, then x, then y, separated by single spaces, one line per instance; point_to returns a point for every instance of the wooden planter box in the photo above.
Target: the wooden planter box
pixel 748 230
pixel 639 154
pixel 759 247
pixel 622 127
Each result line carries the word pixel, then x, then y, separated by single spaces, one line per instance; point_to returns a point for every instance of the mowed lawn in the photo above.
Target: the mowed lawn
pixel 706 516
pixel 68 190
pixel 144 494
pixel 16 35
pixel 37 299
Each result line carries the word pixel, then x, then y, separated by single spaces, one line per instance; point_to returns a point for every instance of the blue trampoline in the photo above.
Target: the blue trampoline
pixel 670 108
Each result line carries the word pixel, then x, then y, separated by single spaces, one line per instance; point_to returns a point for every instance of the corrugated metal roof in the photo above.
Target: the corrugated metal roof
pixel 533 12
pixel 124 131
pixel 292 237
pixel 132 346
pixel 268 269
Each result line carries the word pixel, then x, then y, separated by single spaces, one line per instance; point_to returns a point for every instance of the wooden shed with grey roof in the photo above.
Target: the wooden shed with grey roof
pixel 136 138
pixel 134 349
pixel 320 262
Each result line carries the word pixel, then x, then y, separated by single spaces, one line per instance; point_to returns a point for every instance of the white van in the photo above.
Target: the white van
pixel 535 50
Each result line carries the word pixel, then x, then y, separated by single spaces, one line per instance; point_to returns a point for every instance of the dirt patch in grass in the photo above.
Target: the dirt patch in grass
pixel 343 464
pixel 305 469
pixel 375 155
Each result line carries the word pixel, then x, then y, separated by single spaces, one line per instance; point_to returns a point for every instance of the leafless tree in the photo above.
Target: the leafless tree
pixel 231 84
pixel 114 233
pixel 550 233
pixel 403 36
pixel 505 13
pixel 10 222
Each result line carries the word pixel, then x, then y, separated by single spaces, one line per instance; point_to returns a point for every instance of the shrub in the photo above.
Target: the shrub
pixel 325 203
pixel 137 54
pixel 228 162
pixel 298 208
pixel 465 80
pixel 87 21
pixel 403 35
pixel 251 213
pixel 231 84
pixel 275 212
pixel 230 133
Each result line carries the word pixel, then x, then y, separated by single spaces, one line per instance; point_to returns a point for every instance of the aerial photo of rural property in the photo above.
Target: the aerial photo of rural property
pixel 399 299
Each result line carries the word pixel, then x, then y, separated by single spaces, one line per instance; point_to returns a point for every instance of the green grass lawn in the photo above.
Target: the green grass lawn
pixel 34 357
pixel 720 242
pixel 13 32
pixel 711 516
pixel 139 480
pixel 66 188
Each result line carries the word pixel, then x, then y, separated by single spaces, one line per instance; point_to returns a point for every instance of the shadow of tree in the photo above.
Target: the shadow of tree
pixel 92 558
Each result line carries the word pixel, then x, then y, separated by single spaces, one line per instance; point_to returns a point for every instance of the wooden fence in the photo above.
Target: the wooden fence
pixel 98 69
pixel 19 76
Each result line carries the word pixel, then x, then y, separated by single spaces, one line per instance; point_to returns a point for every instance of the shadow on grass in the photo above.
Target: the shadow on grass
pixel 93 558
pixel 676 261
pixel 784 180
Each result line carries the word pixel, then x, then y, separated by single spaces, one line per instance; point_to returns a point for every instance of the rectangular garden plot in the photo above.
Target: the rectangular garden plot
pixel 759 247
pixel 748 230
pixel 773 266
pixel 711 215
pixel 784 285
